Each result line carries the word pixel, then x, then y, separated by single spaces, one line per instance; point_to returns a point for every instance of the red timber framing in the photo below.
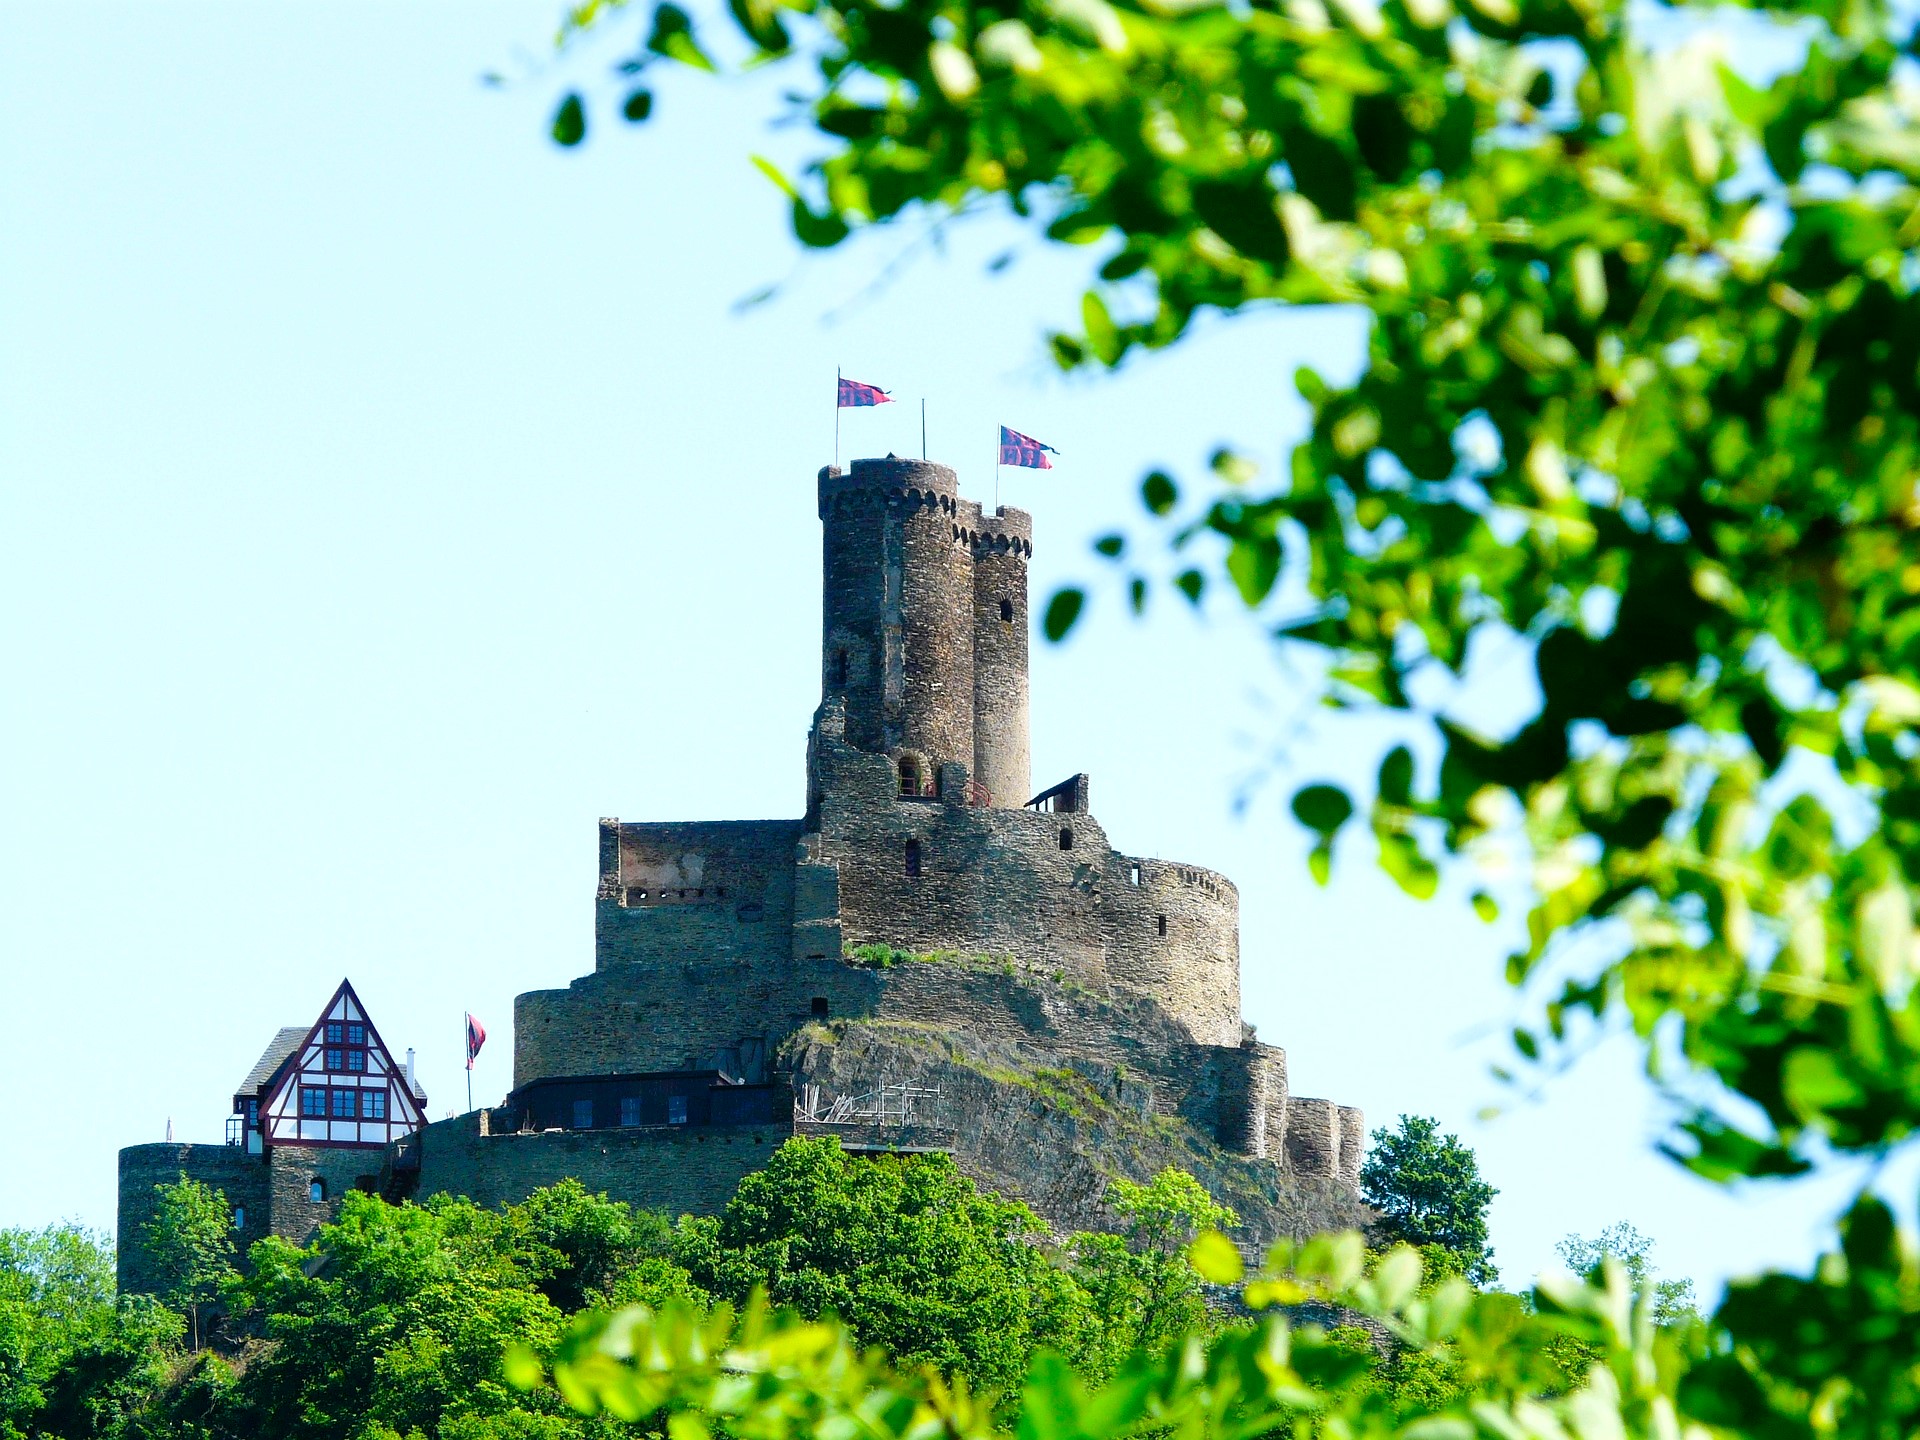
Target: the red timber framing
pixel 343 1088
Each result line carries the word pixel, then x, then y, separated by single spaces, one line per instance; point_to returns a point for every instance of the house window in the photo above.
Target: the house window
pixel 356 1034
pixel 913 859
pixel 335 1032
pixel 313 1100
pixel 583 1114
pixel 317 1190
pixel 1006 611
pixel 334 1062
pixel 676 1109
pixel 239 1217
pixel 356 1060
pixel 819 1007
pixel 837 671
pixel 373 1104
pixel 1066 837
pixel 1160 923
pixel 343 1104
pixel 909 775
pixel 253 1112
pixel 629 1109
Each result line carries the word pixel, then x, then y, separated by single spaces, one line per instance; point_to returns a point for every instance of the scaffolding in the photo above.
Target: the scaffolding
pixel 888 1105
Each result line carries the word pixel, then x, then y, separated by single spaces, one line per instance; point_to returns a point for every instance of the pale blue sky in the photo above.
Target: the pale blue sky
pixel 388 494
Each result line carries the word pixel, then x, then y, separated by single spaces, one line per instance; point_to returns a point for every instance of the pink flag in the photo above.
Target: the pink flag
pixel 1018 449
pixel 476 1037
pixel 853 394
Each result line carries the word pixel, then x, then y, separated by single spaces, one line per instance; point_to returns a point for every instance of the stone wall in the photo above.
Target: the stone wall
pixel 634 1019
pixel 1045 888
pixel 240 1177
pixel 672 1168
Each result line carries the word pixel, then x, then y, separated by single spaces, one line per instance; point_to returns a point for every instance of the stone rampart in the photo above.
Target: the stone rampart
pixel 636 1019
pixel 672 1168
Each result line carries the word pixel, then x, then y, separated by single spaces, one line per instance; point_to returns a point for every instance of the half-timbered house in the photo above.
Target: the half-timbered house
pixel 326 1109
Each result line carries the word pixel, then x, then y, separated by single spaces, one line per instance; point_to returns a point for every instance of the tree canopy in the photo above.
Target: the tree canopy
pixel 1428 1190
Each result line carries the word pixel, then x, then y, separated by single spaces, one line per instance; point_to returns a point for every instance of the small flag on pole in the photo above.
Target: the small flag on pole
pixel 1018 449
pixel 476 1037
pixel 854 395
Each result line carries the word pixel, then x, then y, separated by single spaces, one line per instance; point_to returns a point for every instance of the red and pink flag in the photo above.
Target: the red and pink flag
pixel 854 395
pixel 476 1037
pixel 1018 449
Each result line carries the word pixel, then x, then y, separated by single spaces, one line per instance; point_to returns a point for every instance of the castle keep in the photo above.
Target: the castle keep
pixel 931 957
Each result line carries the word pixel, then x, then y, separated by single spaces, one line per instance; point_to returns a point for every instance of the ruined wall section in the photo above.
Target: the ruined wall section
pixel 697 890
pixel 1001 543
pixel 897 609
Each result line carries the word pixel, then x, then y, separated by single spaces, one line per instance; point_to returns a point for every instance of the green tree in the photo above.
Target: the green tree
pixel 189 1245
pixel 1427 1187
pixel 1140 1289
pixel 1639 395
pixel 1673 1298
pixel 903 1249
pixel 402 1323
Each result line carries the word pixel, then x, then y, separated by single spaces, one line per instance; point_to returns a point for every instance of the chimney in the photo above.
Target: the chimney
pixel 410 1087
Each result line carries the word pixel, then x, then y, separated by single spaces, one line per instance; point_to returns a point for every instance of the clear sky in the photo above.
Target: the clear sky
pixel 386 494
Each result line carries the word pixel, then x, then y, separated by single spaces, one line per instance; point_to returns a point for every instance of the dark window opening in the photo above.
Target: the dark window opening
pixel 819 1007
pixel 629 1109
pixel 1006 611
pixel 913 859
pixel 317 1190
pixel 909 776
pixel 676 1109
pixel 583 1114
pixel 239 1217
pixel 837 670
pixel 1160 922
pixel 1066 837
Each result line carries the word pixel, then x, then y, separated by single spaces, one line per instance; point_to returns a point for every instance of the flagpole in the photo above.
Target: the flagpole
pixel 466 1044
pixel 836 417
pixel 923 427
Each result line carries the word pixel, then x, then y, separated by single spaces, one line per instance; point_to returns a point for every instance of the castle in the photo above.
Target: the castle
pixel 931 957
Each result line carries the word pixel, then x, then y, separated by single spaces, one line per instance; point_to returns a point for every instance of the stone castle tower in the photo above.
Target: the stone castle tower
pixel 931 957
pixel 1049 1009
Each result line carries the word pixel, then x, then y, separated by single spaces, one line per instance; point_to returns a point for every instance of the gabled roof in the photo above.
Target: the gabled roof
pixel 337 1073
pixel 279 1050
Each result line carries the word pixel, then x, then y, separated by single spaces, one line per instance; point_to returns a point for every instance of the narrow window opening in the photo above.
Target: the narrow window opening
pixel 676 1110
pixel 1006 611
pixel 583 1114
pixel 1160 923
pixel 629 1109
pixel 317 1190
pixel 1066 837
pixel 913 859
pixel 819 1007
pixel 909 776
pixel 1133 873
pixel 239 1217
pixel 837 668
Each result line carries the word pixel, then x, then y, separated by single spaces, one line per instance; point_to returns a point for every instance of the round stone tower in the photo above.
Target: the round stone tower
pixel 897 614
pixel 1000 542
